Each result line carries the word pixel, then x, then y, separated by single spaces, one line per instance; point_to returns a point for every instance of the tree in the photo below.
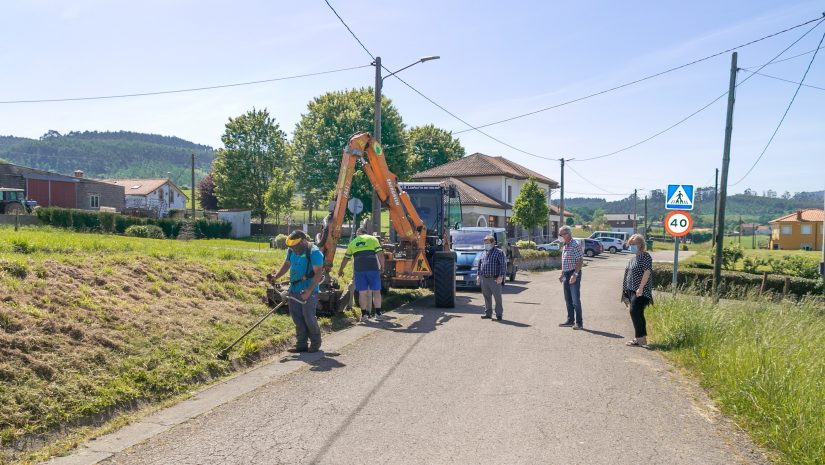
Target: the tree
pixel 599 221
pixel 280 194
pixel 530 208
pixel 786 195
pixel 254 145
pixel 206 193
pixel 429 146
pixel 322 133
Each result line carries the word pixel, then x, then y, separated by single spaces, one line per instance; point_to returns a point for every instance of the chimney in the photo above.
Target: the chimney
pixel 78 173
pixel 799 215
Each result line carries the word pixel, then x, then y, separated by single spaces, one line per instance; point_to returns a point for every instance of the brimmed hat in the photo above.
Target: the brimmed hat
pixel 295 238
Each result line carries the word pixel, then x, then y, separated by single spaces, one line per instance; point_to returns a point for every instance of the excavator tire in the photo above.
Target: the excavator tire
pixel 444 279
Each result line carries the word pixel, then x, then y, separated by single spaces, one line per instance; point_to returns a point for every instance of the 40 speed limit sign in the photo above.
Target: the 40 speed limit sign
pixel 678 223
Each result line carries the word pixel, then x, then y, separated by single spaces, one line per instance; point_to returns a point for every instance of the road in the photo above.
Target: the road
pixel 440 387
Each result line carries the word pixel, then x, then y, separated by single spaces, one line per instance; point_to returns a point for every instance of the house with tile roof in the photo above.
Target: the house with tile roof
pixel 801 230
pixel 154 196
pixel 488 186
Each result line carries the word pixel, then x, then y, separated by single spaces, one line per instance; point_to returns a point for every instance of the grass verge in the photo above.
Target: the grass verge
pixel 763 363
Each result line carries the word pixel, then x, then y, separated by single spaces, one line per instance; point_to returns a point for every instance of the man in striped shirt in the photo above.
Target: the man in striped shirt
pixel 572 259
pixel 491 271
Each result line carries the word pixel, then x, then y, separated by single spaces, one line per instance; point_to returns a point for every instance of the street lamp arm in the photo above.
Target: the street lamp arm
pixel 422 60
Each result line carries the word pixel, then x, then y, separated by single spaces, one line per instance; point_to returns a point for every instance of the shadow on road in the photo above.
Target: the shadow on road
pixel 513 323
pixel 325 362
pixel 603 333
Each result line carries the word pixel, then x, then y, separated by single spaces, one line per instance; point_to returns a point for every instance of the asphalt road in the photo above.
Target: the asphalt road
pixel 448 387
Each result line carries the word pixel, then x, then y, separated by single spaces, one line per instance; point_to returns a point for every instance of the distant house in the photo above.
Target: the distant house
pixel 801 230
pixel 59 190
pixel 763 231
pixel 488 186
pixel 622 222
pixel 154 197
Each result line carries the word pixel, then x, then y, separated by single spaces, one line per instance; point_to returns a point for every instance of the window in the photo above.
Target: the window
pixel 94 200
pixel 806 229
pixel 787 229
pixel 509 194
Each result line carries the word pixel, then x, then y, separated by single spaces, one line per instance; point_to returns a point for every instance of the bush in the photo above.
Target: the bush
pixel 279 242
pixel 734 284
pixel 528 245
pixel 529 254
pixel 145 230
pixel 731 255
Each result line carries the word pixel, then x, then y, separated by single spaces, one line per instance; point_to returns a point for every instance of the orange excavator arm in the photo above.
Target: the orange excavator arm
pixel 404 219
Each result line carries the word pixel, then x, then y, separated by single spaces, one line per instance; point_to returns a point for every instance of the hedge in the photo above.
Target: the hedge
pixel 734 284
pixel 106 222
pixel 145 230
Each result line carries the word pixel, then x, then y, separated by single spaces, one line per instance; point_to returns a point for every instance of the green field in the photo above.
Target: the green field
pixel 96 324
pixel 763 364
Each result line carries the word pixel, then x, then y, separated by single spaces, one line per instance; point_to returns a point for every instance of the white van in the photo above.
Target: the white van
pixel 618 235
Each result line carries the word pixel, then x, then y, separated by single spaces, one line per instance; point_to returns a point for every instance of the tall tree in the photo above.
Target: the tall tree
pixel 530 208
pixel 206 193
pixel 254 145
pixel 280 195
pixel 325 129
pixel 429 146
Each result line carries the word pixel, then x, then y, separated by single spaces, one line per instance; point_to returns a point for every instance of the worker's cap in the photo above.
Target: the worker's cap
pixel 489 237
pixel 362 230
pixel 295 238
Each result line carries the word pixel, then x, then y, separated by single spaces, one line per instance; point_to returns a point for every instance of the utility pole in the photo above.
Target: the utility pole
pixel 720 215
pixel 715 206
pixel 193 186
pixel 376 134
pixel 740 229
pixel 635 209
pixel 646 233
pixel 561 198
pixel 822 264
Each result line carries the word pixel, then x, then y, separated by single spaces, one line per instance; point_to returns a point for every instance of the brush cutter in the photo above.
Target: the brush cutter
pixel 285 297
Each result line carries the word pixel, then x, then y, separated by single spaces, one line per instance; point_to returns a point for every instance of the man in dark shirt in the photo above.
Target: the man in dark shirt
pixel 491 271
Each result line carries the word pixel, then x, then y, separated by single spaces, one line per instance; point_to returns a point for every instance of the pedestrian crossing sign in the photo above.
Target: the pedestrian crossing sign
pixel 679 197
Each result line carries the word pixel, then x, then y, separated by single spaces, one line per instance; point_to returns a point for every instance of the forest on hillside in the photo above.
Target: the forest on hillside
pixel 105 155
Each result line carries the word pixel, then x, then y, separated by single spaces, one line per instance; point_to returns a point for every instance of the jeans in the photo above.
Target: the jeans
pixel 306 322
pixel 637 314
pixel 572 297
pixel 491 290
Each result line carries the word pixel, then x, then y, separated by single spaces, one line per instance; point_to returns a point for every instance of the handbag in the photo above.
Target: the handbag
pixel 626 297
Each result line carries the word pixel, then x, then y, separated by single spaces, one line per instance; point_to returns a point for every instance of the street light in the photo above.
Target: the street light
pixel 379 83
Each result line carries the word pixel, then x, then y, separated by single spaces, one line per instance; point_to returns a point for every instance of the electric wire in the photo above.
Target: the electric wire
pixel 178 91
pixel 785 114
pixel 782 79
pixel 590 182
pixel 636 81
pixel 789 58
pixel 350 30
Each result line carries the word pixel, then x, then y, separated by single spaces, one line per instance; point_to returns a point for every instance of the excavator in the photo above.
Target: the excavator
pixel 418 253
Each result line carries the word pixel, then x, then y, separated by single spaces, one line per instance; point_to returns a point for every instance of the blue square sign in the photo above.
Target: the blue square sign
pixel 679 197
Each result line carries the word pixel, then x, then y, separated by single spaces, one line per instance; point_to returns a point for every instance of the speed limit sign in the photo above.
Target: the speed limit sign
pixel 678 223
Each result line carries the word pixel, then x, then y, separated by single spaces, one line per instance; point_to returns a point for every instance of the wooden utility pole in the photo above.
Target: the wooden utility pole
pixel 561 198
pixel 715 205
pixel 193 186
pixel 376 134
pixel 646 223
pixel 635 210
pixel 740 229
pixel 720 215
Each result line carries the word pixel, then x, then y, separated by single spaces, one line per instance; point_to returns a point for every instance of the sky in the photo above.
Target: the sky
pixel 498 59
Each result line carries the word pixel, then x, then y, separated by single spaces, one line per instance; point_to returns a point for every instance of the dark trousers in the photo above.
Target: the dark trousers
pixel 306 322
pixel 637 314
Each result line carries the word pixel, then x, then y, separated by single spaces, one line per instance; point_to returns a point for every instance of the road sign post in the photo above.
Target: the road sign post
pixel 355 206
pixel 678 224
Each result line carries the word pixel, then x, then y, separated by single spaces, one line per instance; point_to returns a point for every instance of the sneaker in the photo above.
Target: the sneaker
pixel 566 324
pixel 486 317
pixel 365 318
pixel 578 327
pixel 498 317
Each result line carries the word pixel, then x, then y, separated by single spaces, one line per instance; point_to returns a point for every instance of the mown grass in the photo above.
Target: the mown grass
pixel 93 326
pixel 763 363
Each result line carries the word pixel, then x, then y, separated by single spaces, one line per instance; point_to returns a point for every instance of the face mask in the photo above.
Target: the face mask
pixel 298 249
pixel 487 246
pixel 634 248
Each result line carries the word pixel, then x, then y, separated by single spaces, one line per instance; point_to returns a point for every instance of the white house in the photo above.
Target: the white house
pixel 157 196
pixel 488 186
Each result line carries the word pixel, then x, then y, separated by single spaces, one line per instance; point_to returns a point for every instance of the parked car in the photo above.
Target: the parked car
pixel 468 244
pixel 618 235
pixel 555 245
pixel 591 247
pixel 611 244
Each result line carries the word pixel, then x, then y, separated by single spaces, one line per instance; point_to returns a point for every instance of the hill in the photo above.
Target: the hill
pixel 104 155
pixel 751 208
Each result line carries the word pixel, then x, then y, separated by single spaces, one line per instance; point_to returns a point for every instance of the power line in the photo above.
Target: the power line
pixel 590 182
pixel 783 115
pixel 350 30
pixel 705 106
pixel 789 58
pixel 783 79
pixel 178 91
pixel 621 86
